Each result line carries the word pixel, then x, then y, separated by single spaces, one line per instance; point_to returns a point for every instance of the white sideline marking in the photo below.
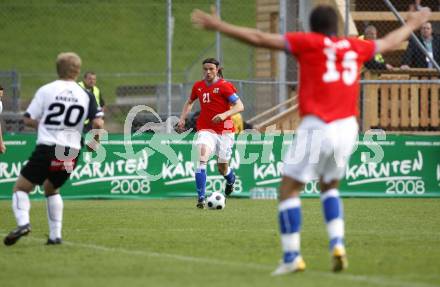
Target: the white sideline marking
pixel 378 280
pixel 154 254
pixel 165 255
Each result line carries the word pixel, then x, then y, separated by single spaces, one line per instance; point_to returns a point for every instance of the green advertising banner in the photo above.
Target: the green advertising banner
pixel 159 165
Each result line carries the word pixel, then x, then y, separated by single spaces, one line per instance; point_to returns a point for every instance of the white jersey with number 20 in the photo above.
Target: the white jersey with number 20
pixel 61 108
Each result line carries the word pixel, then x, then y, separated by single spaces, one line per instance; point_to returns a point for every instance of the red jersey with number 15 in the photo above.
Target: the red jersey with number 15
pixel 329 73
pixel 214 99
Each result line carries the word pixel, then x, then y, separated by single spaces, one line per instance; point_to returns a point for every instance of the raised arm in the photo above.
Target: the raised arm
pixel 248 35
pixel 393 39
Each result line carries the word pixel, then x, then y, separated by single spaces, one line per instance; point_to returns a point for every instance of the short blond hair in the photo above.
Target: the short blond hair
pixel 68 65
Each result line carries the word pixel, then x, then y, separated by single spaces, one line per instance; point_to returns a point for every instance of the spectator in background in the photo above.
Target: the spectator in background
pixel 2 144
pixel 377 62
pixel 89 84
pixel 414 56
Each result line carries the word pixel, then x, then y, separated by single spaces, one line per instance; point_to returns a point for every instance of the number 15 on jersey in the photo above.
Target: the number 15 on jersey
pixel 349 63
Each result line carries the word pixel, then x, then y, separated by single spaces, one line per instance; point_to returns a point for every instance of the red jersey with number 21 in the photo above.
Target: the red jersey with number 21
pixel 214 100
pixel 329 73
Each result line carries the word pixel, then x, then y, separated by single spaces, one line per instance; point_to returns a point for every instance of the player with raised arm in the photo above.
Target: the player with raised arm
pixel 58 111
pixel 215 130
pixel 328 93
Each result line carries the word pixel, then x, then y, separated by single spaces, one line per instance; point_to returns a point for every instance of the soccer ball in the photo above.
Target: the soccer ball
pixel 216 201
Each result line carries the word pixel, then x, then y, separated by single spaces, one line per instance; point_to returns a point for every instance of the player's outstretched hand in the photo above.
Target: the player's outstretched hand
pixel 180 125
pixel 418 18
pixel 218 118
pixel 204 20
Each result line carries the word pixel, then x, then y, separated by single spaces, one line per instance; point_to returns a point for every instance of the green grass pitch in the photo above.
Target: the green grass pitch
pixel 390 242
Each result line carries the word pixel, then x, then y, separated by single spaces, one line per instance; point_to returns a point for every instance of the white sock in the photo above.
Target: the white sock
pixel 202 166
pixel 55 215
pixel 291 242
pixel 228 170
pixel 21 206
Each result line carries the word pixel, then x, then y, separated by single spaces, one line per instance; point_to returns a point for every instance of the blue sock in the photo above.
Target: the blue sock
pixel 201 183
pixel 289 256
pixel 289 216
pixel 333 216
pixel 230 176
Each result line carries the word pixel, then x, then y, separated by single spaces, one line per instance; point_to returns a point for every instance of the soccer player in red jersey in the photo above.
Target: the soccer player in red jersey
pixel 215 130
pixel 328 92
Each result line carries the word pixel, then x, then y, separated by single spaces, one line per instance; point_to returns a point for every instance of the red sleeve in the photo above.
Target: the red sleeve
pixel 228 89
pixel 365 48
pixel 193 96
pixel 295 42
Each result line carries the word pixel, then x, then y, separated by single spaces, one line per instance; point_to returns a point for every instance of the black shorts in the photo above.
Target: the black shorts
pixel 43 165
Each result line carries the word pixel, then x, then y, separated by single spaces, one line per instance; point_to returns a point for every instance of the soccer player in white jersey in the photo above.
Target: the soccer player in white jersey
pixel 58 111
pixel 328 93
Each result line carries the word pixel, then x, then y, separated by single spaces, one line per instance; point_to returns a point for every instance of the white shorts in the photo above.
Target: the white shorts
pixel 320 149
pixel 220 144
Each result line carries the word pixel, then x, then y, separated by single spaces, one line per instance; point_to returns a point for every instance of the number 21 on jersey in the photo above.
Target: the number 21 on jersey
pixel 349 63
pixel 206 98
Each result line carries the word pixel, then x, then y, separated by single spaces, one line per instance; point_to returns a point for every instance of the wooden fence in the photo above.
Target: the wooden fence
pixel 402 107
